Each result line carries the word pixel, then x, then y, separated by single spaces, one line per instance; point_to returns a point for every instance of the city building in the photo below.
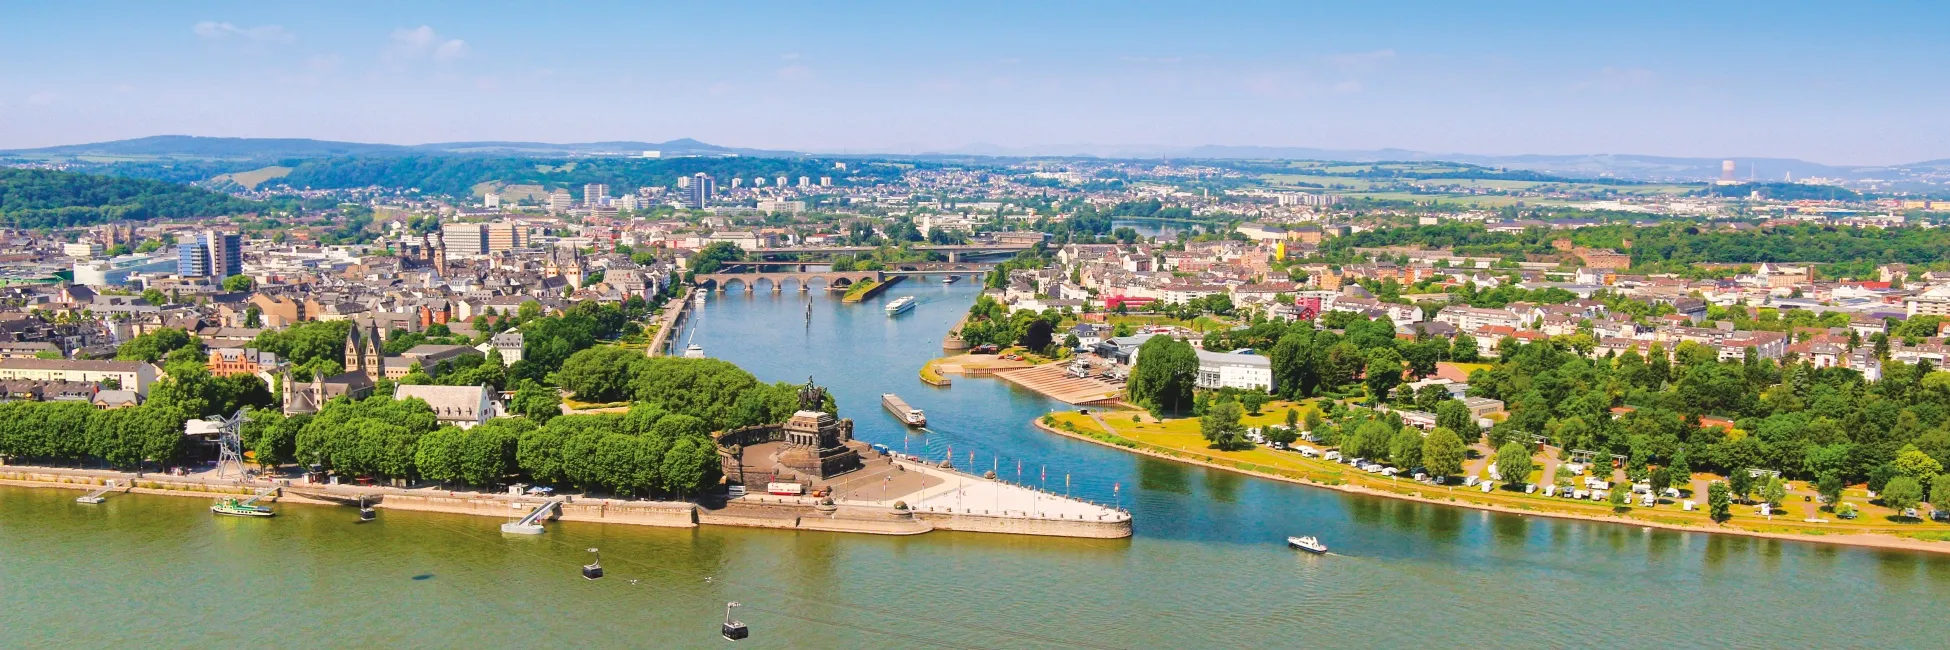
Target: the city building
pixel 462 406
pixel 127 375
pixel 699 191
pixel 464 239
pixel 560 201
pixel 593 194
pixel 213 254
pixel 1240 370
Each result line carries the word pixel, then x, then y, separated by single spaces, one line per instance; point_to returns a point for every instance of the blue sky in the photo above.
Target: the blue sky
pixel 1842 83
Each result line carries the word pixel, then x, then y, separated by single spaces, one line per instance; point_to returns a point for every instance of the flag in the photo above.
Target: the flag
pixel 1115 486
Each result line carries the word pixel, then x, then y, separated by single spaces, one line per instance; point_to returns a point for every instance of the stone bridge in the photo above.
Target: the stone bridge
pixel 722 282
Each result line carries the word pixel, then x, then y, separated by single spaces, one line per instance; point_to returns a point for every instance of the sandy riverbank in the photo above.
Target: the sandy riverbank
pixel 1867 540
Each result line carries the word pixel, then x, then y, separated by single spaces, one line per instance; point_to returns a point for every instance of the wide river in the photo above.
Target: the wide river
pixel 1206 569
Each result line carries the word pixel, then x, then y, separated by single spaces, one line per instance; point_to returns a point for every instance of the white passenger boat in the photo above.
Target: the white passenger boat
pixel 900 304
pixel 1308 544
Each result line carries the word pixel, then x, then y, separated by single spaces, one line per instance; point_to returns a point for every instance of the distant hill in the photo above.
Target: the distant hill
pixel 41 198
pixel 272 149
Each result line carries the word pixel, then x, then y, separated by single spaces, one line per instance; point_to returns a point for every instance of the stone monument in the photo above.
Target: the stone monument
pixel 816 443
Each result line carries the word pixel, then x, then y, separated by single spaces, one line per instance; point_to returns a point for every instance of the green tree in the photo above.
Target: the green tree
pixel 1384 372
pixel 537 402
pixel 152 347
pixel 238 283
pixel 1940 492
pixel 1442 452
pixel 1774 492
pixel 1719 501
pixel 1620 499
pixel 1514 464
pixel 1830 487
pixel 1902 493
pixel 1741 482
pixel 1164 375
pixel 1220 426
pixel 1405 449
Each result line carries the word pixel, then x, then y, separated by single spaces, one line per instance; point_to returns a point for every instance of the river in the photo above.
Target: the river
pixel 1205 569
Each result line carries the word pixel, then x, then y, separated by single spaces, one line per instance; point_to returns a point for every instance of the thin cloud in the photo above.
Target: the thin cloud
pixel 422 43
pixel 43 98
pixel 323 62
pixel 1362 59
pixel 217 31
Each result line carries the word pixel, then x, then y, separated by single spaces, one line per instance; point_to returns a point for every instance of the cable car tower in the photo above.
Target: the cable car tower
pixel 224 431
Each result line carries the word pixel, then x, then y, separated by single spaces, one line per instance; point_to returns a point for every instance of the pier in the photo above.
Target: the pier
pixel 531 524
pixel 671 321
pixel 97 496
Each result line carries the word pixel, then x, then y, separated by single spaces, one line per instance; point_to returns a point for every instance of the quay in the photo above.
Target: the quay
pixel 670 323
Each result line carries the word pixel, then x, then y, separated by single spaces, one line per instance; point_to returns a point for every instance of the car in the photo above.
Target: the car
pixel 985 348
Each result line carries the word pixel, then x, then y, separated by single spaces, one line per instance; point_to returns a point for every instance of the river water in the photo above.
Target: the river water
pixel 1206 568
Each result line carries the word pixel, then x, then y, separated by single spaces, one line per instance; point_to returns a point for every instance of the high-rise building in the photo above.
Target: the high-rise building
pixel 464 239
pixel 192 261
pixel 559 201
pixel 781 182
pixel 629 202
pixel 698 194
pixel 825 181
pixel 492 200
pixel 683 182
pixel 735 182
pixel 805 182
pixel 758 182
pixel 593 193
pixel 226 251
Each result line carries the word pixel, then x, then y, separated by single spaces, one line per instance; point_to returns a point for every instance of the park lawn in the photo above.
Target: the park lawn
pixel 1181 438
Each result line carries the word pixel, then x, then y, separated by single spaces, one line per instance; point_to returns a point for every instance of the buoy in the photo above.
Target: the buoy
pixel 593 570
pixel 733 630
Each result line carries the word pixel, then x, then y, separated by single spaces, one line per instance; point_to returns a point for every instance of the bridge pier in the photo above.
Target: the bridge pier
pixel 954 256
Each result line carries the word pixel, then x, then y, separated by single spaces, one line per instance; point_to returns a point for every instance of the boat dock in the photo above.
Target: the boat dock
pixel 531 524
pixel 97 496
pixel 908 415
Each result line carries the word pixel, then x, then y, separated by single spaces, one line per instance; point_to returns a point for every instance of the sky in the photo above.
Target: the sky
pixel 1839 83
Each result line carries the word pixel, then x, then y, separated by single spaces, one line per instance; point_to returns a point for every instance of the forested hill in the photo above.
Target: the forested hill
pixel 40 198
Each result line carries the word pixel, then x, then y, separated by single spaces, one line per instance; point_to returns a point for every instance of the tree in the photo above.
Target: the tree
pixel 1220 426
pixel 1719 501
pixel 1514 464
pixel 1940 492
pixel 1384 372
pixel 1037 336
pixel 1463 349
pixel 152 347
pixel 600 374
pixel 1619 498
pixel 1442 452
pixel 1742 483
pixel 537 403
pixel 1659 480
pixel 238 282
pixel 1454 416
pixel 1916 464
pixel 1902 493
pixel 1164 374
pixel 1774 492
pixel 1405 449
pixel 1830 487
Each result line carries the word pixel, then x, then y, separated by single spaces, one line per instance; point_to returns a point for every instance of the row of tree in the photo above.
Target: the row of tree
pixel 717 392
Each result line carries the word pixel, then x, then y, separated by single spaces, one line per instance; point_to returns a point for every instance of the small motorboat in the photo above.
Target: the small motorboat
pixel 1308 544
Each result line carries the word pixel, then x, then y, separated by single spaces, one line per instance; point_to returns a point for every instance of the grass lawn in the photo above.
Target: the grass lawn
pixel 1180 438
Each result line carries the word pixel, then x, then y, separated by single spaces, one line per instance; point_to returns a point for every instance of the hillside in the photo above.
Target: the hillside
pixel 271 149
pixel 40 198
pixel 463 175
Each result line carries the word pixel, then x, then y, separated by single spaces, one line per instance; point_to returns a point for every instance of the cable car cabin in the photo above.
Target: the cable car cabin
pixel 736 630
pixel 592 571
pixel 367 514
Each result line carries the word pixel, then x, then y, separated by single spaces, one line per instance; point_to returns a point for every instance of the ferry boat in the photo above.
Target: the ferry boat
pixel 239 508
pixel 952 279
pixel 1308 544
pixel 908 415
pixel 900 304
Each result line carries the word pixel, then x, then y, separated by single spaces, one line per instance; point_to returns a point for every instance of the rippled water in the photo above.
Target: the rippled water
pixel 1206 568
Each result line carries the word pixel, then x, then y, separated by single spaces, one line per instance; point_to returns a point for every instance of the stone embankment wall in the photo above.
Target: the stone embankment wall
pixel 673 514
pixel 153 484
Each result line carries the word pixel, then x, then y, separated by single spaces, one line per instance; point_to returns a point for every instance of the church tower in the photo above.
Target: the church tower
pixel 354 349
pixel 375 355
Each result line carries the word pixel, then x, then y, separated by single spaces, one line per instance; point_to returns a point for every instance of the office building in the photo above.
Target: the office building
pixel 97 273
pixel 463 239
pixel 805 182
pixel 758 182
pixel 593 194
pixel 825 181
pixel 699 193
pixel 491 200
pixel 559 201
pixel 781 182
pixel 192 261
pixel 504 236
pixel 735 182
pixel 82 250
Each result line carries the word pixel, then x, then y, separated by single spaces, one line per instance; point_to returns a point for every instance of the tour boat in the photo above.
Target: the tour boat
pixel 1308 544
pixel 237 508
pixel 900 304
pixel 695 351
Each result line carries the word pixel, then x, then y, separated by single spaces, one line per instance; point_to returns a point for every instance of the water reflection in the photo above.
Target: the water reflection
pixel 1223 486
pixel 1163 476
